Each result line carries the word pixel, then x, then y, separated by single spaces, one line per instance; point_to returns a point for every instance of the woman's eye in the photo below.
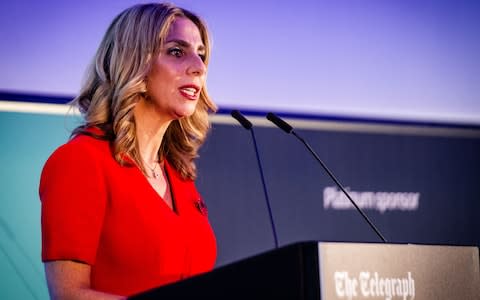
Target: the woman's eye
pixel 177 52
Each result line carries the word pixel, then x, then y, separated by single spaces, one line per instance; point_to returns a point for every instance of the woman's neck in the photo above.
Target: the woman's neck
pixel 150 129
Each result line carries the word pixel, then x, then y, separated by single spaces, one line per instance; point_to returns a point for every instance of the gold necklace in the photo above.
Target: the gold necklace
pixel 155 174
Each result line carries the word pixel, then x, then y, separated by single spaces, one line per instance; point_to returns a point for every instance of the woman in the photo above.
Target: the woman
pixel 120 212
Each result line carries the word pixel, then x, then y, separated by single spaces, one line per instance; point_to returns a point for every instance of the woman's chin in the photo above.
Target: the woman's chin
pixel 178 114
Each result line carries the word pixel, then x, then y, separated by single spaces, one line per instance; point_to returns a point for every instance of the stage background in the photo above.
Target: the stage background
pixel 440 164
pixel 408 59
pixel 386 92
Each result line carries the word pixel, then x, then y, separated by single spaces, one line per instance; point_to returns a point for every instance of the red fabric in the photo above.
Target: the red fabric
pixel 108 216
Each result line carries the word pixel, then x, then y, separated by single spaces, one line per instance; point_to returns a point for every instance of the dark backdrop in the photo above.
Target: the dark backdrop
pixel 443 168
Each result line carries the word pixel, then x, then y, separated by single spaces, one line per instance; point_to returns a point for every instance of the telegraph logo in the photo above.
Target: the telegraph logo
pixel 372 285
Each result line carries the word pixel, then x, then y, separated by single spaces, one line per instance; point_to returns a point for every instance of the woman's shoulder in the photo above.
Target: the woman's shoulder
pixel 82 151
pixel 82 145
pixel 81 157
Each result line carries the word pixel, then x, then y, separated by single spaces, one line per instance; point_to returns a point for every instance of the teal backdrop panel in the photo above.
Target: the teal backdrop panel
pixel 27 140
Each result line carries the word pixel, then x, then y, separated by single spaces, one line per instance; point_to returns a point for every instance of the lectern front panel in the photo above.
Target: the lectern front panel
pixel 379 271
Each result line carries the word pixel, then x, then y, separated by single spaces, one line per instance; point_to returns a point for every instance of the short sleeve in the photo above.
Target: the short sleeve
pixel 73 201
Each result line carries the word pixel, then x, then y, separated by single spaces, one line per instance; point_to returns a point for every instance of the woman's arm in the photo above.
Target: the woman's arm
pixel 69 280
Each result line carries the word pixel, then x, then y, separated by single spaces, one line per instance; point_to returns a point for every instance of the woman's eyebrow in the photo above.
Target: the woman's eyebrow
pixel 185 44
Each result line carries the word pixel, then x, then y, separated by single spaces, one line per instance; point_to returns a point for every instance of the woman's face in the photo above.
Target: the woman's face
pixel 178 73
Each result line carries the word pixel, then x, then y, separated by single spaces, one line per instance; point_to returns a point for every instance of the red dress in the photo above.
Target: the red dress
pixel 108 216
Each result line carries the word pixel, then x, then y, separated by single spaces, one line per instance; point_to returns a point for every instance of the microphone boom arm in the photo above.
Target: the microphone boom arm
pixel 289 129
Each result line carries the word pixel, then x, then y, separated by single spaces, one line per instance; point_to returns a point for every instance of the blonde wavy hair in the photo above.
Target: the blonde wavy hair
pixel 115 82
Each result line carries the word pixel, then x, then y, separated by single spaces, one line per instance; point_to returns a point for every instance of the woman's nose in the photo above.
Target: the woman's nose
pixel 196 66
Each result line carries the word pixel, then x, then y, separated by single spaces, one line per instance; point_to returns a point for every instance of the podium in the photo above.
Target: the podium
pixel 317 270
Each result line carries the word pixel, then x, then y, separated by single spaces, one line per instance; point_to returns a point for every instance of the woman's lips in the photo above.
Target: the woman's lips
pixel 189 91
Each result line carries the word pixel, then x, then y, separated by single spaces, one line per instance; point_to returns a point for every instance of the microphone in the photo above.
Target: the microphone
pixel 248 125
pixel 289 129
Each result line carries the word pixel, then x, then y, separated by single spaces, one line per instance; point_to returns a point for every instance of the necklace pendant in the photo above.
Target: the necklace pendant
pixel 155 175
